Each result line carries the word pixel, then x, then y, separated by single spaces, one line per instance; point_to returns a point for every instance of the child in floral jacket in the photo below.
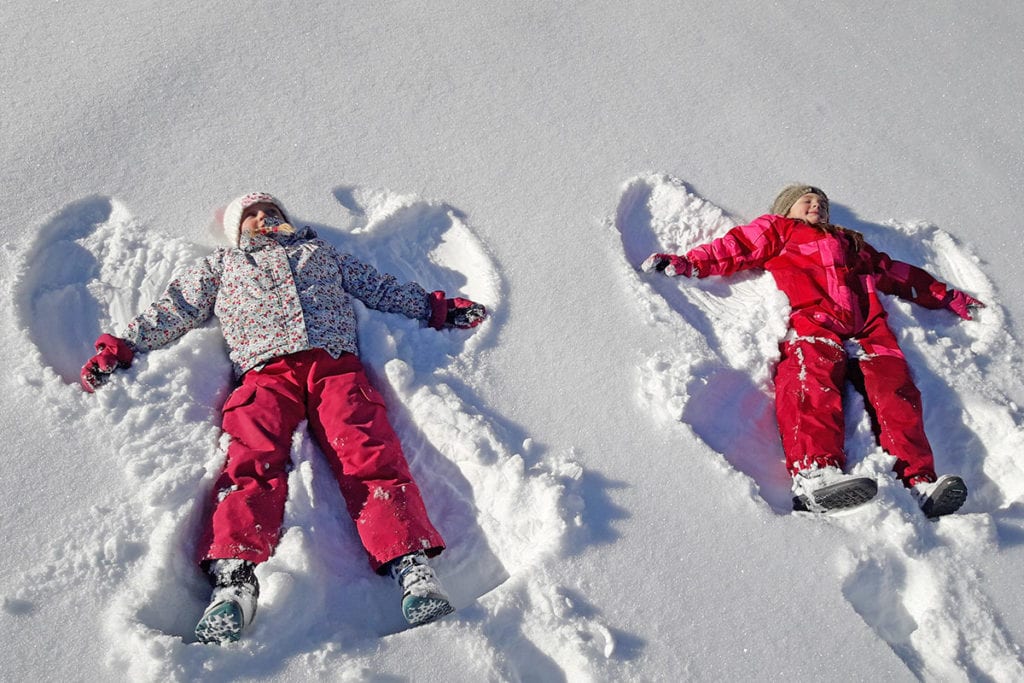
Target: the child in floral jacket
pixel 283 299
pixel 832 278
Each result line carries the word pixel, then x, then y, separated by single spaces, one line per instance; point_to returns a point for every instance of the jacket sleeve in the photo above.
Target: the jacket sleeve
pixel 186 304
pixel 381 291
pixel 743 247
pixel 906 281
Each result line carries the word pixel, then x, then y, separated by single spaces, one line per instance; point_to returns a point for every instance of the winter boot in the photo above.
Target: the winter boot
pixel 941 497
pixel 423 598
pixel 825 489
pixel 233 603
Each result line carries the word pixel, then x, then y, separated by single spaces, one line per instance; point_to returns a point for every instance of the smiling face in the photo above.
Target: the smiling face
pixel 811 208
pixel 260 218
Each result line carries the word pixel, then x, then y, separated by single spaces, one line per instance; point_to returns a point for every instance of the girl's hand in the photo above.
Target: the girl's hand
pixel 964 305
pixel 111 353
pixel 464 314
pixel 670 264
pixel 454 312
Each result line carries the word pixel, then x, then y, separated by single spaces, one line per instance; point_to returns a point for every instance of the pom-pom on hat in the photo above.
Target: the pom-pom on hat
pixel 787 198
pixel 233 213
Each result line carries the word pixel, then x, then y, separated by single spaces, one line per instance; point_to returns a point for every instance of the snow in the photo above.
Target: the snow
pixel 601 454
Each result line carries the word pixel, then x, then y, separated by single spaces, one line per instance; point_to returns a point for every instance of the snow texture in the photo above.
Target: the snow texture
pixel 601 454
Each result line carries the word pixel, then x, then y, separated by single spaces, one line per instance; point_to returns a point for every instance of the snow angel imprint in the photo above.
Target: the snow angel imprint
pixel 832 278
pixel 283 298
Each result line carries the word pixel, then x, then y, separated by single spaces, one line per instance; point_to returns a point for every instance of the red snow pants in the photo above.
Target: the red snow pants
pixel 348 420
pixel 809 383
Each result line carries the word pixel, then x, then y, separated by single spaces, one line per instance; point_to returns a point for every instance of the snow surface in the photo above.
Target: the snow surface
pixel 601 454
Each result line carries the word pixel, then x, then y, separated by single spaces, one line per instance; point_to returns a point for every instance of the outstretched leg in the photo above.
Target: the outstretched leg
pixel 809 403
pixel 895 405
pixel 349 420
pixel 809 407
pixel 260 416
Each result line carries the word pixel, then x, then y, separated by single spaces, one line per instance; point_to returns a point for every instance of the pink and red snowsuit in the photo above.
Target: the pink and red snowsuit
pixel 833 288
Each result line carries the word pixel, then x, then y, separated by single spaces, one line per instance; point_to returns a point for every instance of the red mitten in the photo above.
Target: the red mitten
pixel 670 264
pixel 456 312
pixel 112 353
pixel 964 305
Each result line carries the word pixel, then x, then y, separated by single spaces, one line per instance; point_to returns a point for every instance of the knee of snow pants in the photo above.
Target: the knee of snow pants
pixel 809 383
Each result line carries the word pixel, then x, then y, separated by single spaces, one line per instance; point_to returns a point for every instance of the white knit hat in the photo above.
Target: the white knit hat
pixel 233 214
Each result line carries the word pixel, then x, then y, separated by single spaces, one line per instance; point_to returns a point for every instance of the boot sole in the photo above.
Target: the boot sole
pixel 839 496
pixel 419 611
pixel 947 498
pixel 221 623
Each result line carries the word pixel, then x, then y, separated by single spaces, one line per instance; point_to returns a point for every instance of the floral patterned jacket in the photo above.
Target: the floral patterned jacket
pixel 274 295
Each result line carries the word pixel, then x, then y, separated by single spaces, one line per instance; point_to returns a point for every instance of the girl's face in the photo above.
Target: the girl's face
pixel 810 208
pixel 254 218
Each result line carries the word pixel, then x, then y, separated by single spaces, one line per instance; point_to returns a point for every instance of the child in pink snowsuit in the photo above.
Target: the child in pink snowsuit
pixel 283 300
pixel 832 278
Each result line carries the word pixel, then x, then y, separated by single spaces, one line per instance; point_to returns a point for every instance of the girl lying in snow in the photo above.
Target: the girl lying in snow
pixel 282 297
pixel 832 278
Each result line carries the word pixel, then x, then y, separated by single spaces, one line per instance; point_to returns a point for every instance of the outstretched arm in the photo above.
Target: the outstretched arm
pixel 384 292
pixel 187 302
pixel 919 286
pixel 745 246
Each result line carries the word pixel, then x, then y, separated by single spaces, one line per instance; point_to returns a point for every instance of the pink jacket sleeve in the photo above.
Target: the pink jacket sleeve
pixel 906 281
pixel 745 246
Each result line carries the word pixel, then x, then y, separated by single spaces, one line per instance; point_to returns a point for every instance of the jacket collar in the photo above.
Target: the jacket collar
pixel 258 242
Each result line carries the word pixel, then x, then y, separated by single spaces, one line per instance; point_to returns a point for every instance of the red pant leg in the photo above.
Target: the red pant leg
pixel 809 403
pixel 260 416
pixel 896 402
pixel 348 418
